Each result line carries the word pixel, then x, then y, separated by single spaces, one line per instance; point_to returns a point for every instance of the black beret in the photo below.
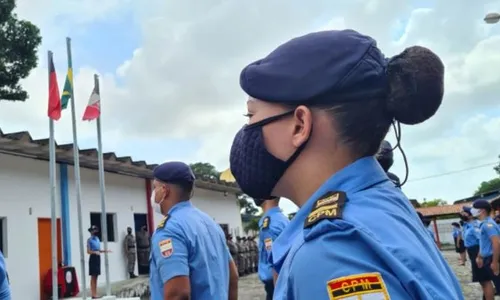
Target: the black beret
pixel 481 204
pixel 174 172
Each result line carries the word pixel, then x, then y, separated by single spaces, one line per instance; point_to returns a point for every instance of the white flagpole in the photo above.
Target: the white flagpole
pixel 76 167
pixel 104 223
pixel 53 216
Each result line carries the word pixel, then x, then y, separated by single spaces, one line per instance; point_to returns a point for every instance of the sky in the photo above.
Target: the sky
pixel 169 76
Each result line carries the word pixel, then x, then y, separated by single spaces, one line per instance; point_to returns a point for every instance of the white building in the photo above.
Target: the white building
pixel 25 234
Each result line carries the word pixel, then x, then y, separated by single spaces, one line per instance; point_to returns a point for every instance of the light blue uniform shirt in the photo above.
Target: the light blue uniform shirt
pixel 271 225
pixel 378 241
pixel 471 234
pixel 431 233
pixel 94 243
pixel 488 229
pixel 189 243
pixel 4 280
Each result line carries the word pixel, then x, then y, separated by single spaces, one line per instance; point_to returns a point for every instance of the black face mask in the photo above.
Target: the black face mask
pixel 129 231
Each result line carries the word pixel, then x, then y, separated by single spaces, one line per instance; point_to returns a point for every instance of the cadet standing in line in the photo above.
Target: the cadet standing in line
pixel 319 107
pixel 271 224
pixel 143 242
pixel 130 252
pixel 4 280
pixel 189 255
pixel 459 242
pixel 255 254
pixel 241 261
pixel 245 253
pixel 489 247
pixel 472 234
pixel 232 248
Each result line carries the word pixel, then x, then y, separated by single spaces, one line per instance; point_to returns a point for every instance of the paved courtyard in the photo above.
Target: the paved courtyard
pixel 251 289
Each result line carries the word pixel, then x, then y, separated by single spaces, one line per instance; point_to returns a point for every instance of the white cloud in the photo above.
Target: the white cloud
pixel 183 80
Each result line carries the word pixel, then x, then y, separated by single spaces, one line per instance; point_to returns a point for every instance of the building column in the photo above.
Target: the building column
pixel 436 231
pixel 65 215
pixel 151 222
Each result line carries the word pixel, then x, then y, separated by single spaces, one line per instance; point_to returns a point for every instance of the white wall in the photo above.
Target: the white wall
pixel 224 209
pixel 124 196
pixel 24 185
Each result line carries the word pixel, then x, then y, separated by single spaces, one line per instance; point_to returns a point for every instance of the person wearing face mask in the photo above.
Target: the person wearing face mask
pixel 130 252
pixel 489 246
pixel 271 224
pixel 143 245
pixel 319 107
pixel 189 255
pixel 459 242
pixel 385 158
pixel 94 251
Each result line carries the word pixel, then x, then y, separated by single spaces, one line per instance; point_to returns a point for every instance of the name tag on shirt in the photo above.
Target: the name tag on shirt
pixel 367 286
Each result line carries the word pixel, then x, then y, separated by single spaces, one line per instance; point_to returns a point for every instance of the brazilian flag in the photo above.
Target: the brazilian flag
pixel 68 86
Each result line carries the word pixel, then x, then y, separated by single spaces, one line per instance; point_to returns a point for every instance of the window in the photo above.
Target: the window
pixel 3 236
pixel 95 219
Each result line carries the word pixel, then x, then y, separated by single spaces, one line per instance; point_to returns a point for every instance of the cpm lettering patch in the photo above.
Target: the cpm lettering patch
pixel 166 248
pixel 367 286
pixel 329 206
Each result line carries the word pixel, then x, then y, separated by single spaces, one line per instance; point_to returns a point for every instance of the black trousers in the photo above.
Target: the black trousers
pixel 94 265
pixel 269 287
pixel 495 278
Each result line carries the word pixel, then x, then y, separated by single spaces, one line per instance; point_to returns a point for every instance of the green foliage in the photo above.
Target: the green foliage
pixel 19 41
pixel 497 167
pixel 205 170
pixel 247 205
pixel 432 203
pixel 253 225
pixel 488 186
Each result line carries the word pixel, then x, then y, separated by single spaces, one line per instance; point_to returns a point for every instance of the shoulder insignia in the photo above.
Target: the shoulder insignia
pixel 329 206
pixel 163 222
pixel 489 225
pixel 370 285
pixel 266 222
pixel 166 248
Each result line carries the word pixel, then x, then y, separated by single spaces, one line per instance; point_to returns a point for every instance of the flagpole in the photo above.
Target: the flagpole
pixel 76 167
pixel 104 218
pixel 53 216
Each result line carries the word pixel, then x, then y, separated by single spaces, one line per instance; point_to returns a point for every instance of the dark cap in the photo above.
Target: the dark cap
pixel 174 172
pixel 481 204
pixel 312 68
pixel 455 224
pixel 466 209
pixel 93 228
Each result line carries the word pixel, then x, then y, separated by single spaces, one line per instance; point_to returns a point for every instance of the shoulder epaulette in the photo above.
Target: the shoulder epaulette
pixel 266 222
pixel 163 222
pixel 328 206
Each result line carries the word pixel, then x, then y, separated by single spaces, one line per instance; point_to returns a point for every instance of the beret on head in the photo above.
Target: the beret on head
pixel 481 204
pixel 335 67
pixel 173 172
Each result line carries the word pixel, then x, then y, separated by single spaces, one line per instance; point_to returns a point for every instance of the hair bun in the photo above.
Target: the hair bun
pixel 416 82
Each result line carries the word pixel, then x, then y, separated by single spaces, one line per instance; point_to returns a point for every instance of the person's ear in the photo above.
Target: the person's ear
pixel 302 122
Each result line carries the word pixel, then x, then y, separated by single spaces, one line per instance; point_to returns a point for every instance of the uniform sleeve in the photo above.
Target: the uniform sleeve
pixel 334 263
pixel 491 230
pixel 170 252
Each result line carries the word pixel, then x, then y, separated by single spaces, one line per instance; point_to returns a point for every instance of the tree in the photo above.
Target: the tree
pixel 247 205
pixel 432 203
pixel 253 225
pixel 205 170
pixel 488 186
pixel 497 167
pixel 19 41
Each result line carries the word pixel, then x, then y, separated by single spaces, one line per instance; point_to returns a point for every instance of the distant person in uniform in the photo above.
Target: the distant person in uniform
pixel 385 158
pixel 471 235
pixel 4 280
pixel 130 252
pixel 189 255
pixel 241 260
pixel 319 107
pixel 459 242
pixel 143 245
pixel 245 254
pixel 94 251
pixel 233 249
pixel 255 254
pixel 271 224
pixel 489 247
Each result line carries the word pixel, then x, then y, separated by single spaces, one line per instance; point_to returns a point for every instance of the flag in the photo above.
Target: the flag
pixel 54 111
pixel 93 109
pixel 68 85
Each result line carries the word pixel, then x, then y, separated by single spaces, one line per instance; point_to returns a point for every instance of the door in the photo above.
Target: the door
pixel 45 248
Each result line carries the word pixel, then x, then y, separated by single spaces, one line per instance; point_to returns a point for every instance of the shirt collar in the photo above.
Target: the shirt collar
pixel 179 205
pixel 357 176
pixel 268 213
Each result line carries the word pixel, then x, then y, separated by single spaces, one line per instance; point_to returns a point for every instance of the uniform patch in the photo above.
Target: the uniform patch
pixel 166 248
pixel 367 286
pixel 489 225
pixel 268 243
pixel 330 206
pixel 163 222
pixel 265 222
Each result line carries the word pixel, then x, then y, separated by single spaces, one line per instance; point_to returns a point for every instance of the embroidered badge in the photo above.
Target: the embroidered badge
pixel 268 243
pixel 330 206
pixel 265 222
pixel 166 248
pixel 367 286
